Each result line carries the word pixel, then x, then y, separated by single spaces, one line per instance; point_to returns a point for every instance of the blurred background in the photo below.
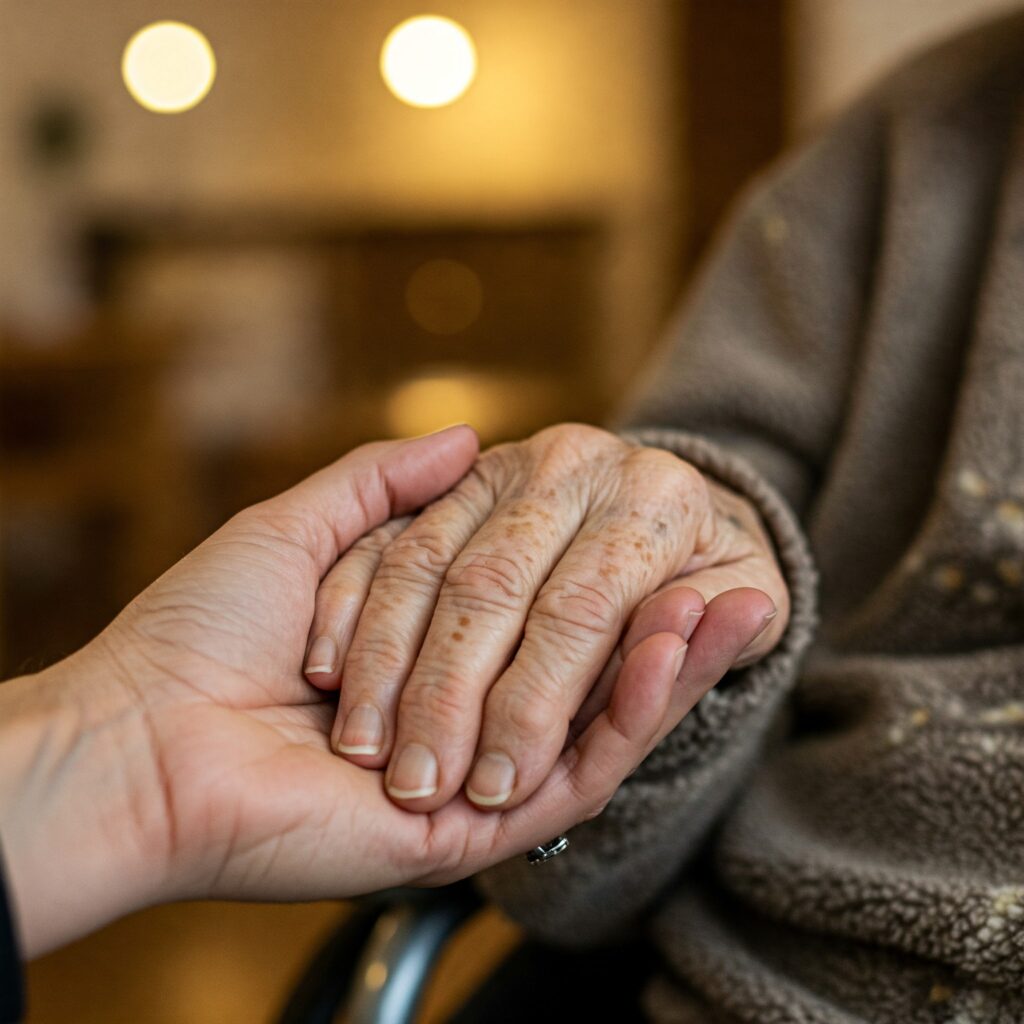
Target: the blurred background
pixel 236 245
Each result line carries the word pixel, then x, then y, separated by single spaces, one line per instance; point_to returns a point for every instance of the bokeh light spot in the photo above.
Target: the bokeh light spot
pixel 498 403
pixel 376 975
pixel 428 61
pixel 428 403
pixel 444 296
pixel 168 67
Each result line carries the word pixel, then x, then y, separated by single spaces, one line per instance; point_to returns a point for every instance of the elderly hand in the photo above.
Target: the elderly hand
pixel 469 641
pixel 182 754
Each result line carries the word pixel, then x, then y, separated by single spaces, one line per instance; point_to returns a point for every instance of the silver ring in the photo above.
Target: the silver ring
pixel 546 851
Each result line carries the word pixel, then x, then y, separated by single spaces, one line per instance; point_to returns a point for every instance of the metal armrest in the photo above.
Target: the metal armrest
pixel 374 968
pixel 401 953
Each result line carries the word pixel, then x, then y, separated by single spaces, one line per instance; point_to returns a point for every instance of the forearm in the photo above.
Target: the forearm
pixel 80 815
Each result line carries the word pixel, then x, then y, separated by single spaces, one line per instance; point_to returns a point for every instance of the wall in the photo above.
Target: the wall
pixel 840 46
pixel 570 113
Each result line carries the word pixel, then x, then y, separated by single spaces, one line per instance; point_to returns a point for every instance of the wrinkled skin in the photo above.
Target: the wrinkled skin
pixel 491 627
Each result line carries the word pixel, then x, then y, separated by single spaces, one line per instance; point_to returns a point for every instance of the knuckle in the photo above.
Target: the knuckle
pixel 582 791
pixel 569 445
pixel 528 710
pixel 337 598
pixel 435 706
pixel 371 491
pixel 376 541
pixel 692 486
pixel 580 437
pixel 487 578
pixel 491 473
pixel 416 555
pixel 658 485
pixel 577 610
pixel 668 468
pixel 365 552
pixel 476 489
pixel 375 656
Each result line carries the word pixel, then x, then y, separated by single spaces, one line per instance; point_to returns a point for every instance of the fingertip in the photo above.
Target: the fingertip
pixel 363 756
pixel 322 666
pixel 413 777
pixel 759 600
pixel 453 429
pixel 765 633
pixel 492 780
pixel 423 468
pixel 459 440
pixel 674 609
pixel 323 679
pixel 365 750
pixel 360 736
pixel 746 608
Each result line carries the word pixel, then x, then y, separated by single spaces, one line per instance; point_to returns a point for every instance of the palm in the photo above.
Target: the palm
pixel 243 739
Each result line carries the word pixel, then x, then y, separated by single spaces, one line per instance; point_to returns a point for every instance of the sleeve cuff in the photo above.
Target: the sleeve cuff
pixel 728 713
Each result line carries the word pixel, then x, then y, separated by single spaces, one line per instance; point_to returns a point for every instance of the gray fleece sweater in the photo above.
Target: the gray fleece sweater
pixel 837 833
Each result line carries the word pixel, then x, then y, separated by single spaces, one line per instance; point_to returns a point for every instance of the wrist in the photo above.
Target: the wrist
pixel 81 817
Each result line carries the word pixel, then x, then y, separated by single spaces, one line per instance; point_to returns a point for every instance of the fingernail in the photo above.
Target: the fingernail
pixel 691 623
pixel 363 732
pixel 414 773
pixel 442 430
pixel 492 781
pixel 677 661
pixel 323 656
pixel 766 621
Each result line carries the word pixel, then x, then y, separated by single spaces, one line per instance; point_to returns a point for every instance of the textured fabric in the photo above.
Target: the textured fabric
pixel 837 834
pixel 11 990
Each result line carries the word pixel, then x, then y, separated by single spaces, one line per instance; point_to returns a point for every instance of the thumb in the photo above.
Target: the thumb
pixel 757 585
pixel 371 484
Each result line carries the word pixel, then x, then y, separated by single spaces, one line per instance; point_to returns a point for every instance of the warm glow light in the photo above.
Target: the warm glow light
pixel 496 403
pixel 444 296
pixel 428 61
pixel 168 66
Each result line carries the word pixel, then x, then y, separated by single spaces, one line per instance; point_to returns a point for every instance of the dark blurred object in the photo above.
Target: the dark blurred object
pixel 735 93
pixel 375 968
pixel 426 323
pixel 88 469
pixel 56 134
pixel 537 285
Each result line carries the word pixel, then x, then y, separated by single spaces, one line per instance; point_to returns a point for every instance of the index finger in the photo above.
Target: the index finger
pixel 329 510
